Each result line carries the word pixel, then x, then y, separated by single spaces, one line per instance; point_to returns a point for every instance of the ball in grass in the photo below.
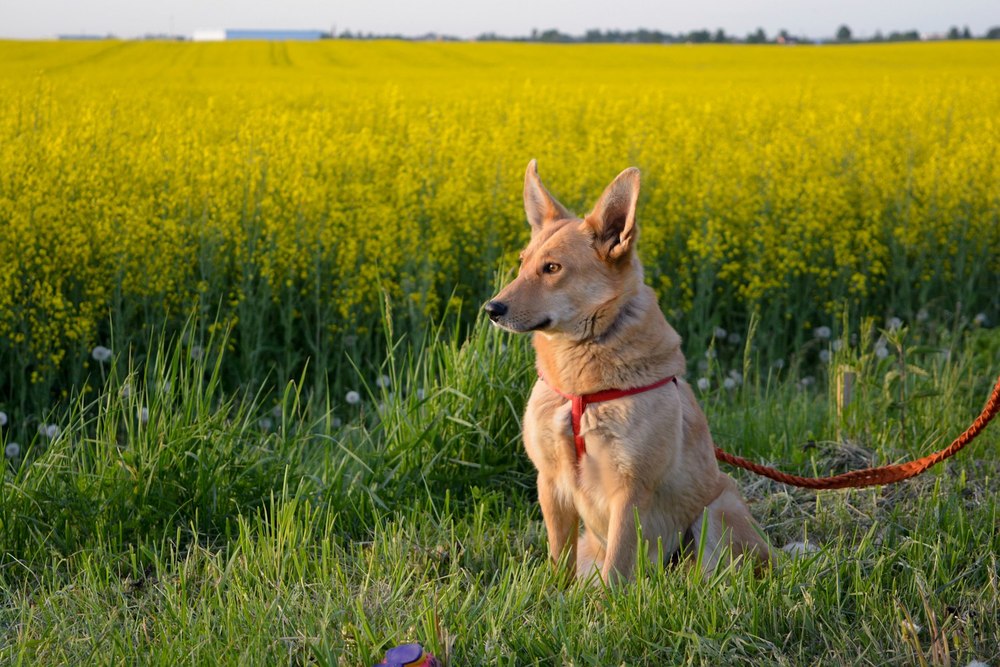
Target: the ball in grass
pixel 409 655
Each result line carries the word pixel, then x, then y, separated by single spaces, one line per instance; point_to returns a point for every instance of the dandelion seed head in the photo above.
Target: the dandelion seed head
pixel 3 418
pixel 736 376
pixel 779 364
pixel 719 333
pixel 144 415
pixel 704 383
pixel 383 381
pixel 822 333
pixel 881 351
pixel 824 356
pixel 981 320
pixel 100 354
pixel 894 324
pixel 837 345
pixel 710 353
pixel 12 450
pixel 922 315
pixel 729 383
pixel 799 548
pixel 420 394
pixel 352 398
pixel 52 431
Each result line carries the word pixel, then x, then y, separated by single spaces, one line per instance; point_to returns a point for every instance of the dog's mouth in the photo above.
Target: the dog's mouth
pixel 514 328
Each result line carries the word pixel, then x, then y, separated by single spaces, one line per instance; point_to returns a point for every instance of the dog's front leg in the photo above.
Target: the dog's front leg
pixel 562 522
pixel 622 537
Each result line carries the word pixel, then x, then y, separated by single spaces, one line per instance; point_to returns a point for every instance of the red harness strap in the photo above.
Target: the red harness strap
pixel 581 401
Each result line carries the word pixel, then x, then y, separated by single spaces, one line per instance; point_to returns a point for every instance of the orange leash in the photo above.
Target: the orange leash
pixel 874 476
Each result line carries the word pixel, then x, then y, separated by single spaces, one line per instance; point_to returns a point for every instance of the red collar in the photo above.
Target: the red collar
pixel 581 401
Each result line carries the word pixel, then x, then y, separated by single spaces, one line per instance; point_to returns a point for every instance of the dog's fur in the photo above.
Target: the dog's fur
pixel 597 326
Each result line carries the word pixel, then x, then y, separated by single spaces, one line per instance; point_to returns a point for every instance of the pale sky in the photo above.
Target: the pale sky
pixel 468 18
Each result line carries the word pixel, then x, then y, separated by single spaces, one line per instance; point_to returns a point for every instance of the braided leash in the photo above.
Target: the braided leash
pixel 874 476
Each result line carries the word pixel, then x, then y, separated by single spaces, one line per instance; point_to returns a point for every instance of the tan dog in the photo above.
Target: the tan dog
pixel 598 327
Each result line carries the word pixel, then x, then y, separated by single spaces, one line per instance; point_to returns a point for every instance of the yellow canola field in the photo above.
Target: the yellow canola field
pixel 290 182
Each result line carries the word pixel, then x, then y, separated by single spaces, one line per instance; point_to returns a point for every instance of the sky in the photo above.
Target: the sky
pixel 26 19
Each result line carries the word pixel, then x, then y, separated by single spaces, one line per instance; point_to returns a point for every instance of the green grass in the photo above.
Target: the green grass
pixel 290 528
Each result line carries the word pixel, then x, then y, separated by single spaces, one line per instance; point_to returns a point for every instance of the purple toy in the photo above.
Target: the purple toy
pixel 409 655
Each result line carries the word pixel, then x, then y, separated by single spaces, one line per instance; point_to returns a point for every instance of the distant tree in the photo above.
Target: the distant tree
pixel 553 35
pixel 843 34
pixel 953 33
pixel 651 37
pixel 908 36
pixel 720 37
pixel 993 33
pixel 966 33
pixel 879 37
pixel 699 36
pixel 758 37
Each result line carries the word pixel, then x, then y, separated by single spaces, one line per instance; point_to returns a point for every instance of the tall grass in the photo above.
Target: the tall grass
pixel 172 521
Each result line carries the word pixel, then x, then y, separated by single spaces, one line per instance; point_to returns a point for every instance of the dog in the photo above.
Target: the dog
pixel 611 426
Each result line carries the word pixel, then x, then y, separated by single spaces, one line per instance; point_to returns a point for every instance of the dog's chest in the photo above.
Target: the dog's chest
pixel 611 451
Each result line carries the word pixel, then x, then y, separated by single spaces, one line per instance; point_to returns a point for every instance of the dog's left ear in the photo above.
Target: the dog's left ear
pixel 613 217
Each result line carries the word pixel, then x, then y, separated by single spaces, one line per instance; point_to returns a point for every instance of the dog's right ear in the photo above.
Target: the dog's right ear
pixel 540 206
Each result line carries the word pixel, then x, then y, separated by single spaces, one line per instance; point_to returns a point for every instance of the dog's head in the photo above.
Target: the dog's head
pixel 575 274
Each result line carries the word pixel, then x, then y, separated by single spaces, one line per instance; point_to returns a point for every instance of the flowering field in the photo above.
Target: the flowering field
pixel 198 242
pixel 280 188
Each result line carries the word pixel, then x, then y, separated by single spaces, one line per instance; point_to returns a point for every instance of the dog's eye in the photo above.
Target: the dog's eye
pixel 551 267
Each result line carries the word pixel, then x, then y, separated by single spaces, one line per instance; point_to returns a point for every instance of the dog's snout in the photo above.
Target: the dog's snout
pixel 495 309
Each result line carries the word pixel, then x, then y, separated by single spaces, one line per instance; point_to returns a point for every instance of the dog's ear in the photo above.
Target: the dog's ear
pixel 613 218
pixel 539 205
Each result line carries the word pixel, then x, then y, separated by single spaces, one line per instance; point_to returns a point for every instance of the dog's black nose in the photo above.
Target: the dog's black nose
pixel 495 309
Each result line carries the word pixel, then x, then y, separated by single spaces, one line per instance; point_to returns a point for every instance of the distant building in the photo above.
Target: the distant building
pixel 276 35
pixel 209 36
